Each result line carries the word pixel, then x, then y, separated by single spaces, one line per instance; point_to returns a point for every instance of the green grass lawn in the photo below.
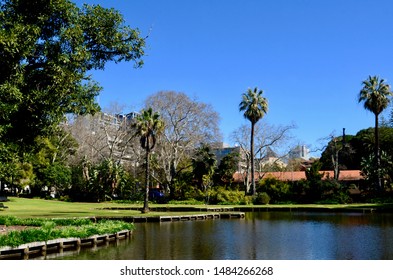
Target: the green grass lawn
pixel 40 208
pixel 34 208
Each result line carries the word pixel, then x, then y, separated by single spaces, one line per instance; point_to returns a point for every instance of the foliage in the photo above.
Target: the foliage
pixel 204 165
pixel 371 174
pixel 47 49
pixel 223 196
pixel 277 191
pixel 375 94
pixel 332 192
pixel 313 173
pixel 341 150
pixel 9 163
pixel 358 154
pixel 225 170
pixel 104 181
pixel 148 126
pixel 261 198
pixel 57 176
pixel 254 105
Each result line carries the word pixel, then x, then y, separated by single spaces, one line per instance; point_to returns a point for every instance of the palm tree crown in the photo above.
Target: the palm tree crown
pixel 375 94
pixel 148 125
pixel 254 105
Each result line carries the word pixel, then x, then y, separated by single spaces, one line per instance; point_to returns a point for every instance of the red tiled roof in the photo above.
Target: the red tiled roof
pixel 345 175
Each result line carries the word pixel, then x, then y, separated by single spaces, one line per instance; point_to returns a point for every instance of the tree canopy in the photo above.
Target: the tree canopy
pixel 47 49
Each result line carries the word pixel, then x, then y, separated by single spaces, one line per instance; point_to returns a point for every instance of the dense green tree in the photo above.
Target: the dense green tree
pixel 49 158
pixel 104 179
pixel 148 126
pixel 357 153
pixel 204 165
pixel 57 177
pixel 339 154
pixel 364 143
pixel 47 49
pixel 226 168
pixel 9 159
pixel 385 171
pixel 375 96
pixel 254 106
pixel 314 185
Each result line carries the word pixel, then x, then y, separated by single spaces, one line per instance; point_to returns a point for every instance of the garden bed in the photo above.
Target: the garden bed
pixel 17 231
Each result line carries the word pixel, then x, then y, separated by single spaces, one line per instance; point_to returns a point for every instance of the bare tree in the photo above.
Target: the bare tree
pixel 267 138
pixel 105 136
pixel 188 123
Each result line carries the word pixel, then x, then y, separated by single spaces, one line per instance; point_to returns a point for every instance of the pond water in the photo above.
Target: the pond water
pixel 267 235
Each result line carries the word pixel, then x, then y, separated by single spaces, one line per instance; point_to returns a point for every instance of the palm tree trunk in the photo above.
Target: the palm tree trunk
pixel 253 191
pixel 377 155
pixel 147 173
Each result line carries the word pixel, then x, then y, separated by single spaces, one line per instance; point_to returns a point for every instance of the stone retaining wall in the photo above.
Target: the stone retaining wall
pixel 43 248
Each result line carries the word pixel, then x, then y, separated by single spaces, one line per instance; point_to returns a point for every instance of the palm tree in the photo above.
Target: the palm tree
pixel 148 126
pixel 375 95
pixel 255 107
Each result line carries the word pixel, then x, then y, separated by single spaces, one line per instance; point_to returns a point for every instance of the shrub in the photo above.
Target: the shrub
pixel 262 199
pixel 223 196
pixel 278 191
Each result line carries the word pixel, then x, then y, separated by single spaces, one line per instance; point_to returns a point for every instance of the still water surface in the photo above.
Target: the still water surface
pixel 267 235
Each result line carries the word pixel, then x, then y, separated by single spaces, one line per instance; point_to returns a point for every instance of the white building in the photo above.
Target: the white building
pixel 300 151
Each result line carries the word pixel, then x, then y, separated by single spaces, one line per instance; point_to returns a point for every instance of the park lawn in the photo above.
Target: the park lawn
pixel 40 208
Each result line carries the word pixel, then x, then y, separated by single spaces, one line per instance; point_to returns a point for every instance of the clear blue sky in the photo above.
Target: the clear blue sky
pixel 309 57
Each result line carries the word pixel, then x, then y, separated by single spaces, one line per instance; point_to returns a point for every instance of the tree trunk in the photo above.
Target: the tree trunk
pixel 253 190
pixel 147 171
pixel 336 166
pixel 377 155
pixel 171 182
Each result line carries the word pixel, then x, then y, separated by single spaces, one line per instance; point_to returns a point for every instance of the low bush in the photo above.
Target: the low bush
pixel 261 199
pixel 276 190
pixel 223 196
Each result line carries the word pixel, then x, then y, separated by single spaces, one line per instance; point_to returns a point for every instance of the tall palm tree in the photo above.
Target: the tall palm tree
pixel 375 96
pixel 148 126
pixel 255 106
